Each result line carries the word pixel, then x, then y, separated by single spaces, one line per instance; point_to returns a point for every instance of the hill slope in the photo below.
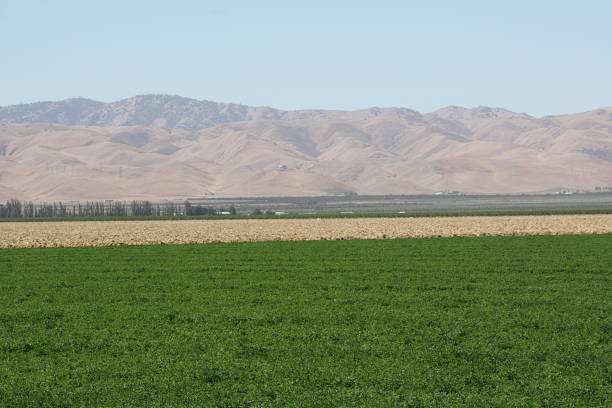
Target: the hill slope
pixel 373 151
pixel 157 110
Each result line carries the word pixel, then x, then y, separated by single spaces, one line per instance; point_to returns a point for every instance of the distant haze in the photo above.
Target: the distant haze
pixel 169 147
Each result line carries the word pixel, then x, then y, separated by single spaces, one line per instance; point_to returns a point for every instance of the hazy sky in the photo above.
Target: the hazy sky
pixel 540 57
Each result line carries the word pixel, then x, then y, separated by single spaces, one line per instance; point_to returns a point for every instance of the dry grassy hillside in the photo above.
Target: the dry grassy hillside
pixel 374 151
pixel 169 111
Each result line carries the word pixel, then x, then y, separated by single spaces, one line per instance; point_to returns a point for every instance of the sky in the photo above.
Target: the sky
pixel 540 57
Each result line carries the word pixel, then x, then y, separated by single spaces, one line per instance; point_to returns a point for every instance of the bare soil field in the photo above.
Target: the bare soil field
pixel 113 233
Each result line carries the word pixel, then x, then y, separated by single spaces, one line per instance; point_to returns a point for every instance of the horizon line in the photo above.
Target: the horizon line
pixel 299 109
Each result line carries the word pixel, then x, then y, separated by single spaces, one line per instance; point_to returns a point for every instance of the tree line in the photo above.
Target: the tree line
pixel 27 209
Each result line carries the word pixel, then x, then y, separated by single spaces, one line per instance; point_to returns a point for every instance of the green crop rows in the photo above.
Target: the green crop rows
pixel 444 322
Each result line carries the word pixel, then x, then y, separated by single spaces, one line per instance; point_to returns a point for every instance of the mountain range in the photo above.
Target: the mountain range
pixel 169 147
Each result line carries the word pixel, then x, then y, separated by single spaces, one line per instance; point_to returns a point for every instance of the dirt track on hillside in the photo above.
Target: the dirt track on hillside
pixel 107 233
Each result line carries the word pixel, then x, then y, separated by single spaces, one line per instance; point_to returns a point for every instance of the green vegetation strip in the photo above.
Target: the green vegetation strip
pixel 444 322
pixel 407 214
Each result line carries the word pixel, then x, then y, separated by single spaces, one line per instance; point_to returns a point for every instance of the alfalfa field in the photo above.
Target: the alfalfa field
pixel 435 322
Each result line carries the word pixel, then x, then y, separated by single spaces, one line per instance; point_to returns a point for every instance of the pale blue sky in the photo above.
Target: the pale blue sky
pixel 540 57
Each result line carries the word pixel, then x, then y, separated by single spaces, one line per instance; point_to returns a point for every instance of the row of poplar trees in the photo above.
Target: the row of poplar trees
pixel 27 209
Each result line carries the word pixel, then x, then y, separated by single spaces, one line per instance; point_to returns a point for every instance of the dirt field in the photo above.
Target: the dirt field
pixel 106 233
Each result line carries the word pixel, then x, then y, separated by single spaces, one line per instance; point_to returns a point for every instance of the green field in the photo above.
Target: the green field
pixel 443 322
pixel 413 203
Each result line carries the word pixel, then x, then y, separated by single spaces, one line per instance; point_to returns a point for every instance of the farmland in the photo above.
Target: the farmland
pixel 101 233
pixel 415 203
pixel 310 207
pixel 461 322
pixel 339 215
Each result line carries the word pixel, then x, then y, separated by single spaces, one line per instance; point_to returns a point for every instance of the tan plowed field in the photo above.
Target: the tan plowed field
pixel 106 233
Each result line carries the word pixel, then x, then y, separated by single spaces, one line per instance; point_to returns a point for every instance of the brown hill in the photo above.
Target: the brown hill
pixel 160 111
pixel 373 151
